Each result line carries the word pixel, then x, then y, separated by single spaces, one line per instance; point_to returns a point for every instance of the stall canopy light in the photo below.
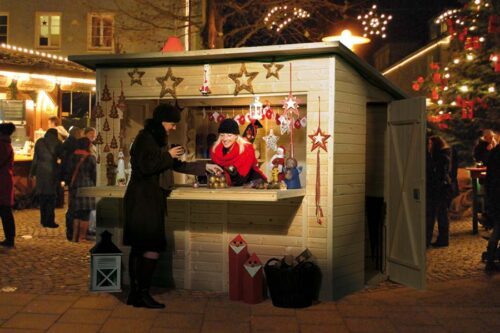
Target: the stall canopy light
pixel 51 78
pixel 347 38
pixel 33 52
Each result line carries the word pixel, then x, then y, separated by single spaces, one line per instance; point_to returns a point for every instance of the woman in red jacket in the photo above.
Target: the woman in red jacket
pixel 7 181
pixel 235 155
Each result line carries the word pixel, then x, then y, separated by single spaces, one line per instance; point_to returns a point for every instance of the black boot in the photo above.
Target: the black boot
pixel 132 273
pixel 145 272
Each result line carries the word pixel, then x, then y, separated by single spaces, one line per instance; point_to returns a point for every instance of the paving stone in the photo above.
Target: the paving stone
pixel 85 316
pixel 338 328
pixel 30 321
pixel 369 325
pixel 360 310
pixel 19 330
pixel 225 327
pixel 178 321
pixel 104 301
pixel 130 312
pixel 274 323
pixel 228 314
pixel 7 311
pixel 319 317
pixel 122 325
pixel 15 298
pixel 47 306
pixel 67 327
pixel 268 309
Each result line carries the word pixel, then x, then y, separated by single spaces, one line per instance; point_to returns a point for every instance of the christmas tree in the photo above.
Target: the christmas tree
pixel 463 93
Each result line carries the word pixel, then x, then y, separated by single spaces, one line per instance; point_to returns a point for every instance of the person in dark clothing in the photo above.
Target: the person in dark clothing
pixel 145 199
pixel 484 146
pixel 68 147
pixel 438 190
pixel 45 169
pixel 493 206
pixel 82 166
pixel 7 184
pixel 235 155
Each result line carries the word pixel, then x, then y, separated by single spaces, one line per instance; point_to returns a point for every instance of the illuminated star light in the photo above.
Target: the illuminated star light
pixel 374 24
pixel 280 16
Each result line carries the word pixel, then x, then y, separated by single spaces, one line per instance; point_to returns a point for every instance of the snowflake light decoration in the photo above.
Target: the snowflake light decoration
pixel 280 16
pixel 373 23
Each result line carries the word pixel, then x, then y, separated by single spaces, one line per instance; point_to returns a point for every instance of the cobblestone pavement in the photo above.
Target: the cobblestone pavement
pixel 43 288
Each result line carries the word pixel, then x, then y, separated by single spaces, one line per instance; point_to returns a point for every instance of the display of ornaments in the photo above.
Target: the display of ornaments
pixel 106 95
pixel 98 111
pixel 217 181
pixel 205 89
pixel 284 125
pixel 121 99
pixel 114 143
pixel 105 127
pixel 98 139
pixel 106 148
pixel 113 112
pixel 271 140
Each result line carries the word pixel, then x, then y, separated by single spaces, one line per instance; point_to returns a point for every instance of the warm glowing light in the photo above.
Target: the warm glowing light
pixel 374 24
pixel 491 89
pixel 456 61
pixel 25 50
pixel 447 75
pixel 56 79
pixel 440 102
pixel 470 57
pixel 445 88
pixel 281 16
pixel 347 38
pixel 453 103
pixel 464 88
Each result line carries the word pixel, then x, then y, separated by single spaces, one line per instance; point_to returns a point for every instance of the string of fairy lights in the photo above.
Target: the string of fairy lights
pixel 374 24
pixel 280 16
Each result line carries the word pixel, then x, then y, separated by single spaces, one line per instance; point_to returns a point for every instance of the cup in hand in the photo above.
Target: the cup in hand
pixel 181 150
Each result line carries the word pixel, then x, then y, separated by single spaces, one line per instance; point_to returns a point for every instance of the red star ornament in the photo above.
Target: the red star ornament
pixel 319 139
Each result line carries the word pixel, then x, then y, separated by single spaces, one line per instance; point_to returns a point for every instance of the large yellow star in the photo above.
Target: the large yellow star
pixel 271 72
pixel 136 76
pixel 164 85
pixel 319 139
pixel 243 76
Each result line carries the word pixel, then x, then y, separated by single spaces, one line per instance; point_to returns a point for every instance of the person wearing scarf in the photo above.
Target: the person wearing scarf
pixel 145 199
pixel 235 155
pixel 82 167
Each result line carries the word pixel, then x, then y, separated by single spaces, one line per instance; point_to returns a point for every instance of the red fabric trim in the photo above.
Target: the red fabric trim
pixel 81 152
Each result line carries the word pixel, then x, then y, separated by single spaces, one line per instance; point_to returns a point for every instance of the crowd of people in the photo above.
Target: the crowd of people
pixel 442 187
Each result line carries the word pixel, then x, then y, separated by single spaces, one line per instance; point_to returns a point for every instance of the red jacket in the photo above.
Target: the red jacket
pixel 6 172
pixel 243 162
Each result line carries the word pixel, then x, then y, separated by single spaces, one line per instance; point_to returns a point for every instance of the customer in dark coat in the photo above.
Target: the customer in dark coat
pixel 82 166
pixel 438 190
pixel 493 206
pixel 7 184
pixel 484 146
pixel 145 199
pixel 45 168
pixel 68 148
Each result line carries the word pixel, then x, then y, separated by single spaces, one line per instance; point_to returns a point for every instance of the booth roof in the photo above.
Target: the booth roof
pixel 276 53
pixel 18 61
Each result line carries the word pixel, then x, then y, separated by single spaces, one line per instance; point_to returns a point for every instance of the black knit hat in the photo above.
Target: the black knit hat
pixel 167 113
pixel 229 125
pixel 7 128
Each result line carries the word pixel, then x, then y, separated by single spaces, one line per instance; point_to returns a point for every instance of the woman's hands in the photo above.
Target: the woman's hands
pixel 176 152
pixel 213 168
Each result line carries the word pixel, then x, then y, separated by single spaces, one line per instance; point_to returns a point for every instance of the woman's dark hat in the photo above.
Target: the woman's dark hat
pixel 167 113
pixel 229 126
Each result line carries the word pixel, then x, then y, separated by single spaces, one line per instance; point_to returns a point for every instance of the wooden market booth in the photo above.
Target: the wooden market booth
pixel 376 150
pixel 33 85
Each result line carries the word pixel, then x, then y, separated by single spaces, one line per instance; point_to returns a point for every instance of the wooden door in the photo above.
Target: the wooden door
pixel 405 192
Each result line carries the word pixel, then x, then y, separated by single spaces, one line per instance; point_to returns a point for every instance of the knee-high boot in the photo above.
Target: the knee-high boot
pixel 144 275
pixel 76 230
pixel 133 261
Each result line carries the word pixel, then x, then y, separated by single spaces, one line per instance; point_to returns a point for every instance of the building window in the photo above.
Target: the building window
pixel 77 104
pixel 4 28
pixel 100 32
pixel 48 31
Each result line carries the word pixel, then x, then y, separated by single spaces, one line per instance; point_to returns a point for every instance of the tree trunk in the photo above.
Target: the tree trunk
pixel 212 30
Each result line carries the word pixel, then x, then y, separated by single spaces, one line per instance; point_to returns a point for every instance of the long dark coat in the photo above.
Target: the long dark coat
pixel 86 177
pixel 440 187
pixel 145 200
pixel 6 172
pixel 45 166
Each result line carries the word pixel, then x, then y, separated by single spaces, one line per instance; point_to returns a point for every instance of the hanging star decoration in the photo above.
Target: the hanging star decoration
pixel 163 81
pixel 271 140
pixel 243 76
pixel 290 105
pixel 319 139
pixel 273 70
pixel 136 76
